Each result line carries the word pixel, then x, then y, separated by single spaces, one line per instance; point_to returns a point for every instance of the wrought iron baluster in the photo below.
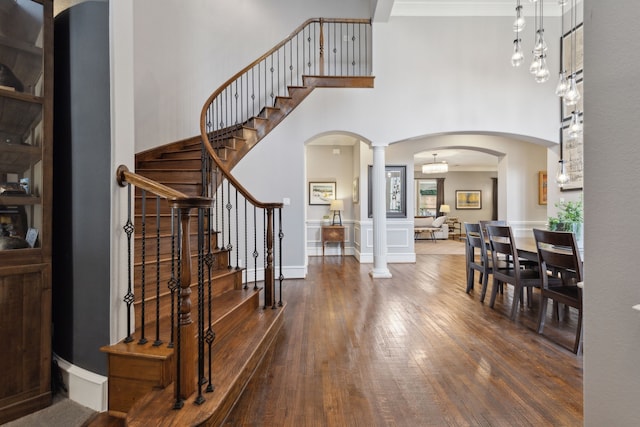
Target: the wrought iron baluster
pixel 246 246
pixel 255 248
pixel 229 206
pixel 143 339
pixel 210 336
pixel 129 297
pixel 179 402
pixel 157 341
pixel 280 238
pixel 173 283
pixel 237 233
pixel 199 400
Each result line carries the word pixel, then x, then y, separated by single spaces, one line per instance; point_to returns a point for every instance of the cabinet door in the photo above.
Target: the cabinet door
pixel 24 121
pixel 25 331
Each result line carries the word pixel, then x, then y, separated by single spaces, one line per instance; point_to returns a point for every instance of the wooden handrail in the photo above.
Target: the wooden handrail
pixel 203 120
pixel 175 197
pixel 273 50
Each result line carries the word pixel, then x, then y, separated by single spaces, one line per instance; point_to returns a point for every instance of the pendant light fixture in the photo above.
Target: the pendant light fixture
pixel 435 167
pixel 572 96
pixel 540 50
pixel 562 86
pixel 575 127
pixel 562 178
pixel 517 58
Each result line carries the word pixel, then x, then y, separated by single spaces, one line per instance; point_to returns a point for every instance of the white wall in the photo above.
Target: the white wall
pixel 185 50
pixel 612 328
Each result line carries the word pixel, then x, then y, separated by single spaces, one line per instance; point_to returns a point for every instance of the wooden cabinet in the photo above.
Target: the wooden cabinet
pixel 26 128
pixel 333 233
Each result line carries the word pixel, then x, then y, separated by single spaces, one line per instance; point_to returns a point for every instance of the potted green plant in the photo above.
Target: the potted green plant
pixel 569 217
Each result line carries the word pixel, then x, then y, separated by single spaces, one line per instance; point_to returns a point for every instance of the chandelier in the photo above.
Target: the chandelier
pixel 435 167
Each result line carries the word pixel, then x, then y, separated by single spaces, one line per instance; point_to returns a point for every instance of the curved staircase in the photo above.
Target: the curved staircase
pixel 193 177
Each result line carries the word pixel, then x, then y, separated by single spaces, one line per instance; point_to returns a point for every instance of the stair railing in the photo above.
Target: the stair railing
pixel 214 225
pixel 318 47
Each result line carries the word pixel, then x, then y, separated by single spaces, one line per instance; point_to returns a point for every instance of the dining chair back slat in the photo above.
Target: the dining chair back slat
pixel 477 258
pixel 560 259
pixel 502 245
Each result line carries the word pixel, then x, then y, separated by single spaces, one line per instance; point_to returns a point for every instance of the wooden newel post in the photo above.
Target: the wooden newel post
pixel 269 282
pixel 187 346
pixel 321 47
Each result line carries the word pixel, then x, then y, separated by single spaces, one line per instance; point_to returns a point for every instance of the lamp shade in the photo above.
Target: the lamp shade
pixel 336 205
pixel 445 209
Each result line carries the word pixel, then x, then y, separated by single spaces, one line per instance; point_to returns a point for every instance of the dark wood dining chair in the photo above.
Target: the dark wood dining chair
pixel 477 258
pixel 560 259
pixel 502 246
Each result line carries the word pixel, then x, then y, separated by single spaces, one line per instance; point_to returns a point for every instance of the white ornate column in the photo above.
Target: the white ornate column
pixel 380 269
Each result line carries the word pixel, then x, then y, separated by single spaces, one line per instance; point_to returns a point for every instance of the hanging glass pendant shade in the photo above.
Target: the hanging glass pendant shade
pixel 541 46
pixel 518 56
pixel 542 74
pixel 563 85
pixel 519 23
pixel 575 127
pixel 562 177
pixel 572 96
pixel 535 65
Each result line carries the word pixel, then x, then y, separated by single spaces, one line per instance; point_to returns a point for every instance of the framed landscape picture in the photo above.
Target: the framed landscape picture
pixel 321 193
pixel 542 187
pixel 468 199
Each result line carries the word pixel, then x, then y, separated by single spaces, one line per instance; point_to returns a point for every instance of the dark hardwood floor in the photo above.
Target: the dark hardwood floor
pixel 414 350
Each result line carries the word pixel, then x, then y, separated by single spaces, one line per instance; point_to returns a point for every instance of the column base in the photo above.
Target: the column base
pixel 382 273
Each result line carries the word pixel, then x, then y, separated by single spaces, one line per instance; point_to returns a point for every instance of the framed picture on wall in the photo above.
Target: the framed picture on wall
pixel 355 197
pixel 569 56
pixel 571 151
pixel 468 199
pixel 542 187
pixel 321 193
pixel 395 191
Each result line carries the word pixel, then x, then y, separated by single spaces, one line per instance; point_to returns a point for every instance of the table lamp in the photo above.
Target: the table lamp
pixel 336 207
pixel 445 209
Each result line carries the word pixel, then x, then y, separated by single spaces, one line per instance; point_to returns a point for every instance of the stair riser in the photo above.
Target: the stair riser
pixel 131 378
pixel 165 222
pixel 220 264
pixel 151 247
pixel 171 164
pixel 221 285
pixel 194 154
pixel 167 177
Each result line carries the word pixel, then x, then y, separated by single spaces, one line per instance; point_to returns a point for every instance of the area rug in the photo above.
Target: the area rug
pixel 440 247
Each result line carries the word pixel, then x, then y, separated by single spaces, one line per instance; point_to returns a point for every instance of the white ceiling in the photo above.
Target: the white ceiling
pixel 459 160
pixel 469 7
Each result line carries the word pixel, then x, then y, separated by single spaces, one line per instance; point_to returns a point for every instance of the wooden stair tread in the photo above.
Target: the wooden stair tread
pixel 235 359
pixel 229 300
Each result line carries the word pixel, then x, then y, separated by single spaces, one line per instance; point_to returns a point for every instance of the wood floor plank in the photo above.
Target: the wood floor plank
pixel 413 350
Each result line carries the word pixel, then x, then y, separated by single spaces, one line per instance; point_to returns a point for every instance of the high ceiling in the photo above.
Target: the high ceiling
pixel 467 7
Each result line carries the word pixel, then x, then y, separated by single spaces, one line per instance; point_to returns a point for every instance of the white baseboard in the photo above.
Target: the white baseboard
pixel 85 387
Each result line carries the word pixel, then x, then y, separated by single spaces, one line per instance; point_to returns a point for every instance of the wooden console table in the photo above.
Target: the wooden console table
pixel 333 233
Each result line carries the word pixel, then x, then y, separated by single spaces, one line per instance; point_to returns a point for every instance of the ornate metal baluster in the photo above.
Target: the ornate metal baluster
pixel 210 336
pixel 255 248
pixel 280 238
pixel 143 339
pixel 229 206
pixel 179 402
pixel 237 234
pixel 157 341
pixel 201 378
pixel 173 283
pixel 129 297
